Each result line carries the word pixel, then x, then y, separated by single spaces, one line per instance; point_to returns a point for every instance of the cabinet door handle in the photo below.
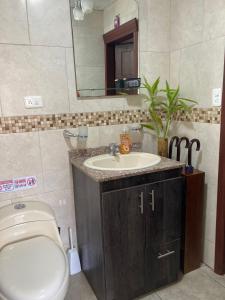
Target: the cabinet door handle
pixel 152 202
pixel 168 253
pixel 141 196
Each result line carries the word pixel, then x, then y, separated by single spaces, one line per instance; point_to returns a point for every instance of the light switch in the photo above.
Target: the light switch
pixel 33 101
pixel 216 97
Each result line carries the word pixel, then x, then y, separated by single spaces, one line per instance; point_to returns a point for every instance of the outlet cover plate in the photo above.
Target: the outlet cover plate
pixel 33 101
pixel 216 97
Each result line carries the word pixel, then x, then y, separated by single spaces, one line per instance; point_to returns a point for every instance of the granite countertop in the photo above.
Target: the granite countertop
pixel 77 158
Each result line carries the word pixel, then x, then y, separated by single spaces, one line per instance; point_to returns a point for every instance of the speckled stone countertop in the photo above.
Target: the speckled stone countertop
pixel 77 158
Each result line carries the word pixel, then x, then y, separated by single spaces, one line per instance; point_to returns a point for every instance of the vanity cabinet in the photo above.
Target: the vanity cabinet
pixel 124 242
pixel 129 232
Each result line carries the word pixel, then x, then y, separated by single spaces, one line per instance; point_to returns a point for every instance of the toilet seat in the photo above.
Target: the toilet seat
pixel 32 269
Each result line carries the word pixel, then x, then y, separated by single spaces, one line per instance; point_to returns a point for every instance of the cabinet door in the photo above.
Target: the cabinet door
pixel 124 242
pixel 163 231
pixel 163 216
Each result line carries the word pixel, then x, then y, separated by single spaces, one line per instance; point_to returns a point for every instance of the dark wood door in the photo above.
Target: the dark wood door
pixel 163 231
pixel 163 217
pixel 124 242
pixel 124 58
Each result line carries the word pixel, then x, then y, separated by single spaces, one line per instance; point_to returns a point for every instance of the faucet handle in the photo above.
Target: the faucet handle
pixel 113 148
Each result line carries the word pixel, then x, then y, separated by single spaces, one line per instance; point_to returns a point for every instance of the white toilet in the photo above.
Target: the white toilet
pixel 33 263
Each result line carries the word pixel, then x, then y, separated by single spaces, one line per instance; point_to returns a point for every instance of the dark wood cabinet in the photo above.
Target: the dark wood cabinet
pixel 162 265
pixel 138 229
pixel 124 243
pixel 192 241
pixel 164 201
pixel 163 220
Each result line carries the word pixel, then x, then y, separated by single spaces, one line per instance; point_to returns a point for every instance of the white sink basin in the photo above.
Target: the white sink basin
pixel 131 161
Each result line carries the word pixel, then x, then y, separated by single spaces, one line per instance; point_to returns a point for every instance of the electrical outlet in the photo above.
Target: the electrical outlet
pixel 33 101
pixel 216 97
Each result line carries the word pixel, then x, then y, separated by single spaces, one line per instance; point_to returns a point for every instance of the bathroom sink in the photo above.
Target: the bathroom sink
pixel 131 161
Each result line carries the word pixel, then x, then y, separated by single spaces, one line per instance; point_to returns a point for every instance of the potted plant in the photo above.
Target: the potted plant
pixel 163 105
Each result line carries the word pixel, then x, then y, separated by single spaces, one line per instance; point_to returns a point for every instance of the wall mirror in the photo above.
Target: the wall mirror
pixel 105 40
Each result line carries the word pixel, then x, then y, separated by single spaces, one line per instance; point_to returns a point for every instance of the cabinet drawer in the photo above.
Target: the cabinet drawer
pixel 164 263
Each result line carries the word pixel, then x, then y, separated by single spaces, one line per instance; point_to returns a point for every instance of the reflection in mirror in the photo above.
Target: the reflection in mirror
pixel 105 36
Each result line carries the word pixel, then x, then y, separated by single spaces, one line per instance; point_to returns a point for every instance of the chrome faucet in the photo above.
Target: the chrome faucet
pixel 114 149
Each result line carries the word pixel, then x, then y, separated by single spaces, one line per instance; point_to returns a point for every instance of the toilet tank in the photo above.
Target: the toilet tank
pixel 21 221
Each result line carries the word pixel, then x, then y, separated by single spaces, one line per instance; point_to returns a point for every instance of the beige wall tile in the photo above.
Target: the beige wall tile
pixel 104 104
pixel 49 22
pixel 209 253
pixel 93 137
pixel 110 134
pixel 74 104
pixel 29 71
pixel 210 213
pixel 13 22
pixel 187 19
pixel 201 70
pixel 0 106
pixel 20 156
pixel 154 65
pixel 22 151
pixel 59 179
pixel 92 25
pixel 175 57
pixel 89 52
pixel 149 142
pixel 90 78
pixel 53 150
pixel 214 25
pixel 154 22
pixel 55 161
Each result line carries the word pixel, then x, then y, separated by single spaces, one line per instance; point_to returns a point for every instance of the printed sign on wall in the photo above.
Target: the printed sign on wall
pixel 18 184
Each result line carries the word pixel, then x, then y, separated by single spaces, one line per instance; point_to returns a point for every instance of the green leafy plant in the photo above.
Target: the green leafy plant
pixel 163 105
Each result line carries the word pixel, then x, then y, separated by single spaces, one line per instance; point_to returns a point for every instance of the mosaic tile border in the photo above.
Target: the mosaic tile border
pixel 19 124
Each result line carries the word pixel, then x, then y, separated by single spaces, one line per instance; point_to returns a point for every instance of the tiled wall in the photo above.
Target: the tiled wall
pixel 36 58
pixel 154 23
pixel 196 63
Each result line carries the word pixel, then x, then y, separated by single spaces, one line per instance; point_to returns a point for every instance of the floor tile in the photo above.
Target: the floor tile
pixel 153 296
pixel 202 284
pixel 196 285
pixel 214 276
pixel 79 289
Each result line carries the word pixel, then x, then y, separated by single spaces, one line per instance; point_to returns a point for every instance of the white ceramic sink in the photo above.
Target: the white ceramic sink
pixel 131 161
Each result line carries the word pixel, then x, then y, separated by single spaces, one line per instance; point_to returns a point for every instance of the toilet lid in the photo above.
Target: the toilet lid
pixel 32 269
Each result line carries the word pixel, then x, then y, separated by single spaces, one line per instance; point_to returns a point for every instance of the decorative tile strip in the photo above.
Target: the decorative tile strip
pixel 20 124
